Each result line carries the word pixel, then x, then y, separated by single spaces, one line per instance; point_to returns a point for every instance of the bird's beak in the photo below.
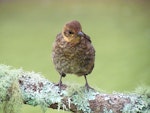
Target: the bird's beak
pixel 80 34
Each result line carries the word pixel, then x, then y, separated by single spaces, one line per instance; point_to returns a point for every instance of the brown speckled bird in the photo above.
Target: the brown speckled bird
pixel 73 52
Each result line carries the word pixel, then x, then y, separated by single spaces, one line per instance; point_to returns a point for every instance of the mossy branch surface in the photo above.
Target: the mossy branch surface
pixel 18 86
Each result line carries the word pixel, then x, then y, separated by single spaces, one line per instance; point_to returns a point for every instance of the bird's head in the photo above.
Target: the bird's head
pixel 72 32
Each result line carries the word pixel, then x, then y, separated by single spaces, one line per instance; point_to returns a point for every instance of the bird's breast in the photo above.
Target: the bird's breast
pixel 70 58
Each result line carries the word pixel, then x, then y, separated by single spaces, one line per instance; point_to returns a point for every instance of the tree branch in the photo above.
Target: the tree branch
pixel 17 86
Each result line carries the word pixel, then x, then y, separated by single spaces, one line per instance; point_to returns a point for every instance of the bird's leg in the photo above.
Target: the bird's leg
pixel 60 81
pixel 86 84
pixel 59 84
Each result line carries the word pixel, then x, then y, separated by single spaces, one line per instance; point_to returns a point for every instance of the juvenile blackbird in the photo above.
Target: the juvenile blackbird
pixel 73 52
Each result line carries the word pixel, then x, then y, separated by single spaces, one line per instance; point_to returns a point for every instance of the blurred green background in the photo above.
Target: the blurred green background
pixel 119 30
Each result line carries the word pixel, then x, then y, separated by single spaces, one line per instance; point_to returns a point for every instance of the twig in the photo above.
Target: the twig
pixel 34 90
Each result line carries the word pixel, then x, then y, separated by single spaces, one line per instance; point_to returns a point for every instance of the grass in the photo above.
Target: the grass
pixel 119 30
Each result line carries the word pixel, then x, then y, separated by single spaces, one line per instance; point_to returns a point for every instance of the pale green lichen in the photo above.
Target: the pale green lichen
pixel 36 90
pixel 14 102
pixel 10 95
pixel 140 101
pixel 105 110
pixel 81 97
pixel 40 91
pixel 143 90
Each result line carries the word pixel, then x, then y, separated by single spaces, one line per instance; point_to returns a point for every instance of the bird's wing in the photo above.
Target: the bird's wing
pixel 58 36
pixel 87 37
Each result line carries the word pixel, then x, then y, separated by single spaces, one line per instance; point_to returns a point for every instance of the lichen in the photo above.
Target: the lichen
pixel 37 90
pixel 105 110
pixel 10 95
pixel 17 85
pixel 140 101
pixel 80 97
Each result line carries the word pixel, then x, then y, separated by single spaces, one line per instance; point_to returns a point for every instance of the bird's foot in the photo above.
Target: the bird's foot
pixel 88 87
pixel 59 85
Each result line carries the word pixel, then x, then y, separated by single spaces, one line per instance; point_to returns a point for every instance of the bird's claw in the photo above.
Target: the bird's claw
pixel 59 85
pixel 88 87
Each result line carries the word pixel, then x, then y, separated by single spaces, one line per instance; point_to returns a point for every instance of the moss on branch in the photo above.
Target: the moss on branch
pixel 18 86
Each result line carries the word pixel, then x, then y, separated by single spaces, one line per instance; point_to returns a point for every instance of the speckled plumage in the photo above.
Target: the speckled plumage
pixel 72 51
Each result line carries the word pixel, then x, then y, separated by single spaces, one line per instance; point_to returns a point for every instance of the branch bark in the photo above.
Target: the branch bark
pixel 34 90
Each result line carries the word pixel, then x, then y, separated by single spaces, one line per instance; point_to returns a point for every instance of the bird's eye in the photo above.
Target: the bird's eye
pixel 70 32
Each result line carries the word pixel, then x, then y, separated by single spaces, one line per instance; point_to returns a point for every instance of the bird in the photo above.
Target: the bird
pixel 73 52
